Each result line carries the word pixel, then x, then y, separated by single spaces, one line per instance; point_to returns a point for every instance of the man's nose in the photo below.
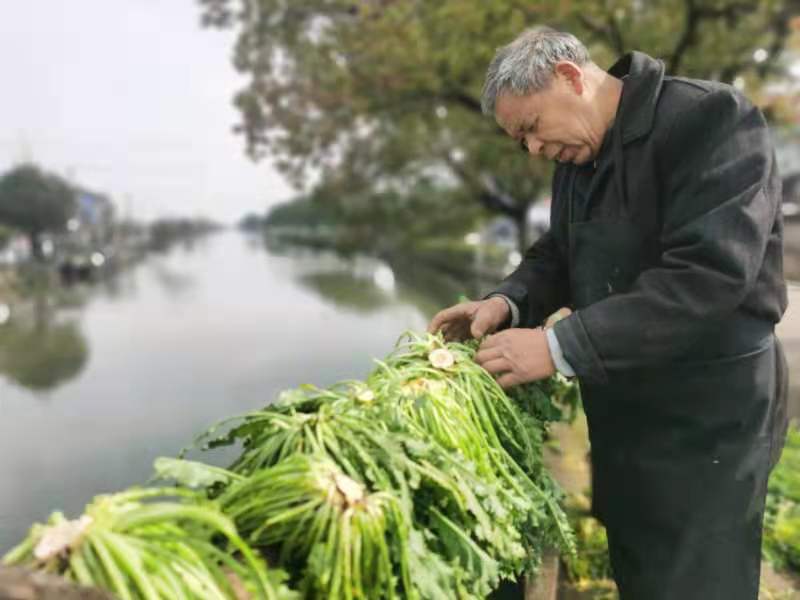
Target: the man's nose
pixel 534 145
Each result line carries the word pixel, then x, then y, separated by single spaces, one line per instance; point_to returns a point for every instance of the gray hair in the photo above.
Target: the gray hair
pixel 527 64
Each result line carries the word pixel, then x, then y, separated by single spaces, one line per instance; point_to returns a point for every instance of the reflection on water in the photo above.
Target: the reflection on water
pixel 135 366
pixel 171 281
pixel 41 354
pixel 346 290
pixel 362 283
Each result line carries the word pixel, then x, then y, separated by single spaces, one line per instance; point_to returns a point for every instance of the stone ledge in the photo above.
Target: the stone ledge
pixel 21 584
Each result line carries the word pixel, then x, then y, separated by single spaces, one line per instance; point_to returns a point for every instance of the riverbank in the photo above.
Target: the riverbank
pixel 478 266
pixel 488 264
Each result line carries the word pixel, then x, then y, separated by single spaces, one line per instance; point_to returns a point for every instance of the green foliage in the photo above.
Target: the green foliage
pixel 554 399
pixel 387 220
pixel 192 474
pixel 590 568
pixel 782 515
pixel 150 544
pixel 461 407
pixel 251 222
pixel 5 236
pixel 351 542
pixel 304 212
pixel 455 462
pixel 377 93
pixel 34 200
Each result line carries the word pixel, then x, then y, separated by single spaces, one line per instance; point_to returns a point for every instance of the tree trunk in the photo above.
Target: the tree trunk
pixel 36 246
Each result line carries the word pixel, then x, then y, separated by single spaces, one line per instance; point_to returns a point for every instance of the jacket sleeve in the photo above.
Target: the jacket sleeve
pixel 719 203
pixel 538 285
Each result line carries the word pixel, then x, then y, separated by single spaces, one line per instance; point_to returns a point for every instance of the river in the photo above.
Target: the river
pixel 97 383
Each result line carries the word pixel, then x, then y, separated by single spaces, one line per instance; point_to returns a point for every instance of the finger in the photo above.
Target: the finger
pixel 486 355
pixel 434 325
pixel 508 380
pixel 484 323
pixel 490 342
pixel 497 365
pixel 443 316
pixel 436 322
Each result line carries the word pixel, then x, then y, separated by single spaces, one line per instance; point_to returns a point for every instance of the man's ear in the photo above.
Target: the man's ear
pixel 570 74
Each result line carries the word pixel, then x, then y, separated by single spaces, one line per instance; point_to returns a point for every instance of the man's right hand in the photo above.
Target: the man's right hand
pixel 470 319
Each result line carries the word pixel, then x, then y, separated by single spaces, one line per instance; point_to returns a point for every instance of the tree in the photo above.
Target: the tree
pixel 378 91
pixel 35 202
pixel 5 236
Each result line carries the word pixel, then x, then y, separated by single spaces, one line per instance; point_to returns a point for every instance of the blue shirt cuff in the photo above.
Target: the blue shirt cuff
pixel 557 355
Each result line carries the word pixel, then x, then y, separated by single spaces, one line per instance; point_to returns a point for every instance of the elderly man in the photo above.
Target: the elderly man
pixel 666 242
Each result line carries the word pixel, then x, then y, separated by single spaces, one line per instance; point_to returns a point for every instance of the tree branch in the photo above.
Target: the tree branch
pixel 694 16
pixel 464 100
pixel 605 32
pixel 618 42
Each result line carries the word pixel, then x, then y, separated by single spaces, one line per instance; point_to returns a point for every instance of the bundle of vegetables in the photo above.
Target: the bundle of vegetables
pixel 554 399
pixel 349 542
pixel 343 539
pixel 782 514
pixel 363 441
pixel 435 430
pixel 151 544
pixel 439 392
pixel 336 421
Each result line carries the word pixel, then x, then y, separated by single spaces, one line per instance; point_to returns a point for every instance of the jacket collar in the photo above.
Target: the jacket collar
pixel 640 92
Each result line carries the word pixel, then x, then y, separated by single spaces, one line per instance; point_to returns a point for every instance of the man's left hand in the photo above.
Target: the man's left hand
pixel 516 356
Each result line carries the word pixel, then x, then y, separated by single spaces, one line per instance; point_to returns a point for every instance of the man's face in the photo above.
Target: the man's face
pixel 556 123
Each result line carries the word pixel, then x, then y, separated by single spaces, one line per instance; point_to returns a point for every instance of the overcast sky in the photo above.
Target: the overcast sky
pixel 133 98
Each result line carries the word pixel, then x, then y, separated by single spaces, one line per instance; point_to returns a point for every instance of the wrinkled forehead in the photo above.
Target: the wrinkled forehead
pixel 512 109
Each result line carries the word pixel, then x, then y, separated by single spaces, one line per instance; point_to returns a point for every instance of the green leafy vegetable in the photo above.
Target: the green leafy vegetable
pixel 150 544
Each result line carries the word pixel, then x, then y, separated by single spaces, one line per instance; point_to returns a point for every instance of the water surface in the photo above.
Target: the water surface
pixel 99 380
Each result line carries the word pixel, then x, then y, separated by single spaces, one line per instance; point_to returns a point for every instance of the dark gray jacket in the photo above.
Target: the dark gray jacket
pixel 703 186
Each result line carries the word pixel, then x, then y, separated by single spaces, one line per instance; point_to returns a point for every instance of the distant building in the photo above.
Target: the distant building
pixel 93 223
pixel 88 241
